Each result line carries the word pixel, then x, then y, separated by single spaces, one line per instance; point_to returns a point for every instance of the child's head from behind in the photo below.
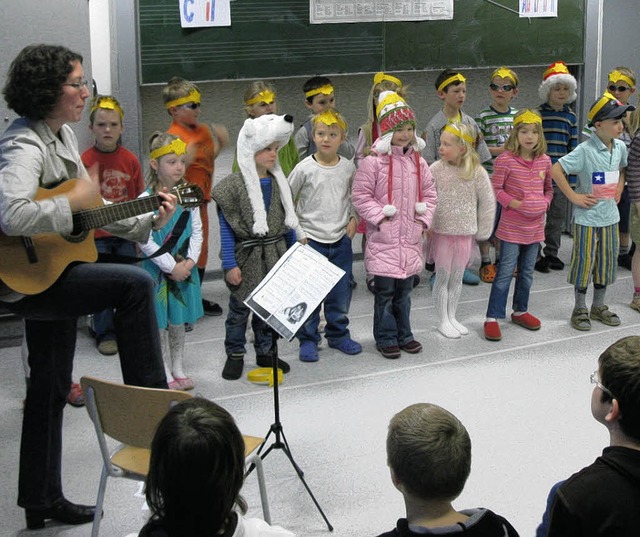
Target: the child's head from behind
pixel 456 148
pixel 619 373
pixel 621 83
pixel 260 99
pixel 182 100
pixel 452 88
pixel 105 122
pixel 527 135
pixel 503 86
pixel 167 155
pixel 328 132
pixel 428 453
pixel 196 469
pixel 318 94
pixel 558 86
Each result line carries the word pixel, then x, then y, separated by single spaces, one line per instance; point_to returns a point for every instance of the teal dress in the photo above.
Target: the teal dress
pixel 176 302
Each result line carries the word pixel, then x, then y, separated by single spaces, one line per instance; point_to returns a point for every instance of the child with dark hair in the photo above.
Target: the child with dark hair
pixel 195 475
pixel 429 457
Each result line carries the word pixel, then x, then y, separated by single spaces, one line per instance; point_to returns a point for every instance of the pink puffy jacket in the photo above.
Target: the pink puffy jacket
pixel 394 245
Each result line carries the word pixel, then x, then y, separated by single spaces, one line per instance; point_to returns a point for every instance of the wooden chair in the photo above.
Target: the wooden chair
pixel 130 415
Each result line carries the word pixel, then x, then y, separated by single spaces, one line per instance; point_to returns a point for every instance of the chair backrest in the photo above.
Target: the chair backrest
pixel 130 414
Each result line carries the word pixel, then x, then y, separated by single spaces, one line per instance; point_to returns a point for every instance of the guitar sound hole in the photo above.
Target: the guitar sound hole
pixel 75 237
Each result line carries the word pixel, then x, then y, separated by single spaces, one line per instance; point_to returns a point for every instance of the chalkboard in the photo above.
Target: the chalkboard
pixel 273 38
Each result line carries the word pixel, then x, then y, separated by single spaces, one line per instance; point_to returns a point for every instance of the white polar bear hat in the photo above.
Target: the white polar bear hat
pixel 256 134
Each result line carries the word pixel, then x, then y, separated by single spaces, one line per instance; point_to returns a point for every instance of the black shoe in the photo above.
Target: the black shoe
pixel 371 286
pixel 542 265
pixel 352 282
pixel 212 309
pixel 232 369
pixel 416 281
pixel 554 263
pixel 624 261
pixel 63 511
pixel 264 360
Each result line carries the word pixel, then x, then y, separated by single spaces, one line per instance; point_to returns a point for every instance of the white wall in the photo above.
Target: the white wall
pixel 100 33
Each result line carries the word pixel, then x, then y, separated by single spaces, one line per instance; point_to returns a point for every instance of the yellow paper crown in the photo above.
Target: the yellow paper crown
pixel 265 96
pixel 527 117
pixel 327 89
pixel 451 79
pixel 617 76
pixel 108 103
pixel 505 72
pixel 177 146
pixel 389 99
pixel 194 96
pixel 606 98
pixel 455 130
pixel 379 77
pixel 331 117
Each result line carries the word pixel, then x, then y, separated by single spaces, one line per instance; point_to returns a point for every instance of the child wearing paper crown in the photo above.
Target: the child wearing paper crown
pixel 393 192
pixel 600 165
pixel 523 187
pixel 182 101
pixel 560 126
pixel 177 283
pixel 257 222
pixel 321 190
pixel 465 212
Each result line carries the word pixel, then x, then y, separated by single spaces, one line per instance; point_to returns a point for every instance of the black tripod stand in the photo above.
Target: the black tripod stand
pixel 280 441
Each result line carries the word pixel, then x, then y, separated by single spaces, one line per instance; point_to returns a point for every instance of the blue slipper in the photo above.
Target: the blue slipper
pixel 346 345
pixel 308 352
pixel 470 278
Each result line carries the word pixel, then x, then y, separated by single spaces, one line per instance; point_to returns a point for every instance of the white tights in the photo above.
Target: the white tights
pixel 446 292
pixel 172 341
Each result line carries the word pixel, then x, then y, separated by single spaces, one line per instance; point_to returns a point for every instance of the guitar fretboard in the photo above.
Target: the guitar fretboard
pixel 108 214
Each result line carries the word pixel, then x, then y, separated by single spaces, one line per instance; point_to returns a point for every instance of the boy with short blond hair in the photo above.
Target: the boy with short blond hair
pixel 429 457
pixel 321 190
pixel 182 101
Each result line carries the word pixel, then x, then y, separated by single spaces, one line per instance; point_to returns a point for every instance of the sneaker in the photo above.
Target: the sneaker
pixel 554 263
pixel 492 331
pixel 470 278
pixel 264 360
pixel 108 347
pixel 75 397
pixel 542 265
pixel 412 347
pixel 526 320
pixel 488 273
pixel 624 261
pixel 213 309
pixel 308 352
pixel 391 351
pixel 635 303
pixel 233 367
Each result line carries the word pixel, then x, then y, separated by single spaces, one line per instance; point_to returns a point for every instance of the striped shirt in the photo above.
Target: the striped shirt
pixel 633 169
pixel 495 127
pixel 560 129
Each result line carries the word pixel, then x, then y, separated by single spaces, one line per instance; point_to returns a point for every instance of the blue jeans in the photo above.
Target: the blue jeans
pixel 50 330
pixel 337 302
pixel 512 255
pixel 103 320
pixel 391 311
pixel 235 337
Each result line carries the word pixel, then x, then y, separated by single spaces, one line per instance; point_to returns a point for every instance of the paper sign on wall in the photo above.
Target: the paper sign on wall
pixel 199 13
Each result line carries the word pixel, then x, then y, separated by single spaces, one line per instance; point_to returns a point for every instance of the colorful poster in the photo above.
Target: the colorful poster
pixel 343 11
pixel 202 13
pixel 538 8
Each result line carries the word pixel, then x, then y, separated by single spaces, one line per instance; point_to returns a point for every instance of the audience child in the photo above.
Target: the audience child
pixel 523 187
pixel 452 90
pixel 257 223
pixel 393 192
pixel 560 127
pixel 429 458
pixel 195 476
pixel 600 164
pixel 259 99
pixel 633 182
pixel 465 212
pixel 120 177
pixel 177 283
pixel 369 133
pixel 321 190
pixel 204 143
pixel 495 124
pixel 318 97
pixel 602 499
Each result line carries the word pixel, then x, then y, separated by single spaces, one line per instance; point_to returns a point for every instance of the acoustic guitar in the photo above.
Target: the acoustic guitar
pixel 30 265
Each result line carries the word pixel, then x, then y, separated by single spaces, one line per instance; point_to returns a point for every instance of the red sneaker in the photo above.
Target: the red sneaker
pixel 526 320
pixel 492 331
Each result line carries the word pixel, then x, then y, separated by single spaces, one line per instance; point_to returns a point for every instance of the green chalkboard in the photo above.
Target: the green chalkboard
pixel 272 38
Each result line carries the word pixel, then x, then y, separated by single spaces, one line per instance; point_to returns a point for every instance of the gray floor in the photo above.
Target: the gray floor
pixel 525 402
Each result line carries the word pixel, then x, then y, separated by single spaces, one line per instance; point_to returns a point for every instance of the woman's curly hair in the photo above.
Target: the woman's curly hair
pixel 35 78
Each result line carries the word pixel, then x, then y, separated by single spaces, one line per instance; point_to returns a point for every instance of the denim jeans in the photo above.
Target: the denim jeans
pixel 555 224
pixel 336 303
pixel 235 337
pixel 512 255
pixel 391 311
pixel 103 320
pixel 50 330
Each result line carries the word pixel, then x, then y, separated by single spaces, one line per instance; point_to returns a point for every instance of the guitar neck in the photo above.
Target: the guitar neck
pixel 108 214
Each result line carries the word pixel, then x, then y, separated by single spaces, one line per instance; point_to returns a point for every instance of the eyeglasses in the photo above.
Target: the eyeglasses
pixel 505 88
pixel 192 106
pixel 594 380
pixel 613 87
pixel 77 85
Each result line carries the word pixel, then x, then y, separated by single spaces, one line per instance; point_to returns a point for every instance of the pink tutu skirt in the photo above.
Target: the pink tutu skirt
pixel 450 252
